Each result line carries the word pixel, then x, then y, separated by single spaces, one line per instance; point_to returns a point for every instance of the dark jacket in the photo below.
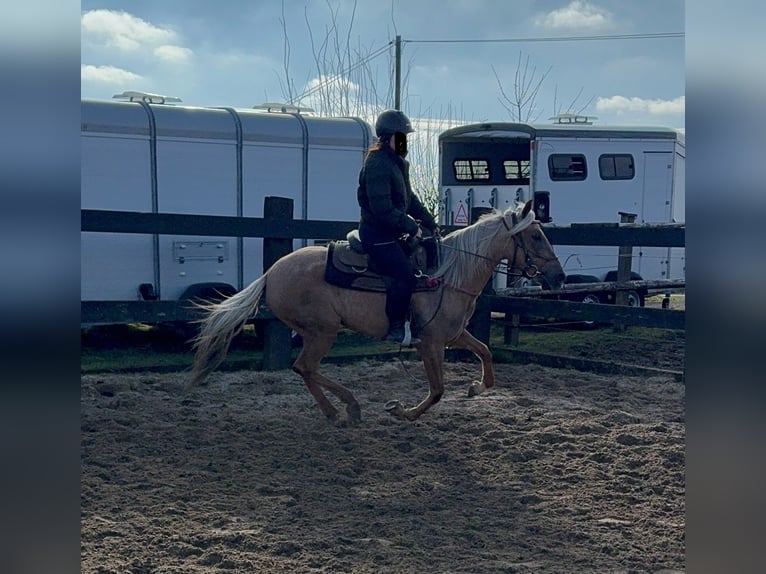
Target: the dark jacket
pixel 385 195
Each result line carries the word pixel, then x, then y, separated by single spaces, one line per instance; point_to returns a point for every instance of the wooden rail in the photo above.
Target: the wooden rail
pixel 96 220
pixel 278 229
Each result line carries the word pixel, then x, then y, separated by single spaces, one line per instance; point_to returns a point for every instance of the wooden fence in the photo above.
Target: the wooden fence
pixel 278 229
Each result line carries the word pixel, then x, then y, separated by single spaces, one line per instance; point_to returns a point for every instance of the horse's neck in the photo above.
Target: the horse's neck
pixel 485 263
pixel 483 273
pixel 479 263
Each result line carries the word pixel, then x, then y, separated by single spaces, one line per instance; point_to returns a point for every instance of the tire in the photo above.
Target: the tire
pixel 635 299
pixel 200 293
pixel 208 292
pixel 590 298
pixel 524 282
pixel 577 279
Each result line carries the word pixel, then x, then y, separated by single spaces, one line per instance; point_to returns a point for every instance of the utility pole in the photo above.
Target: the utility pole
pixel 398 73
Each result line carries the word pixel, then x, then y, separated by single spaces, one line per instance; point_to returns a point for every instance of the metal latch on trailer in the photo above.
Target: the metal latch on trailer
pixel 184 251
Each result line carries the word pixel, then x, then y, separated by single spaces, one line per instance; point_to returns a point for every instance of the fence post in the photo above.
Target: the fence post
pixel 624 263
pixel 479 324
pixel 277 343
pixel 511 332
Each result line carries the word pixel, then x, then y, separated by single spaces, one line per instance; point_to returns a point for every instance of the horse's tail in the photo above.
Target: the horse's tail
pixel 223 322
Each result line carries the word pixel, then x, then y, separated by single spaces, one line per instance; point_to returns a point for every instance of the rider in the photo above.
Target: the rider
pixel 390 211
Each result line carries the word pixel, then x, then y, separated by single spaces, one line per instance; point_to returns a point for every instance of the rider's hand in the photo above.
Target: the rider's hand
pixel 437 231
pixel 419 234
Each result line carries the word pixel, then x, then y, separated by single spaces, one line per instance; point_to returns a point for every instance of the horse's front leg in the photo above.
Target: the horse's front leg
pixel 433 361
pixel 468 341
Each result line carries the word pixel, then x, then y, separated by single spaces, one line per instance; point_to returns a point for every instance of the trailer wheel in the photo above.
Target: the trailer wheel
pixel 635 299
pixel 208 292
pixel 200 293
pixel 591 298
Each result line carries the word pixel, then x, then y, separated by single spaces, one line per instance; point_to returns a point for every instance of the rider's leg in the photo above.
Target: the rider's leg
pixel 389 258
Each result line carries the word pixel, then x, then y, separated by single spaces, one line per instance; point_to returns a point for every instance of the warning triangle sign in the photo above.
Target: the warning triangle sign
pixel 461 217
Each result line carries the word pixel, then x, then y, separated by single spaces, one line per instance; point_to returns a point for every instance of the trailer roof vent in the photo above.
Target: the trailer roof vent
pixel 284 108
pixel 573 119
pixel 132 96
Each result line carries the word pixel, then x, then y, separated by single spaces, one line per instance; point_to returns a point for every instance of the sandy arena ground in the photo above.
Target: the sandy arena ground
pixel 551 471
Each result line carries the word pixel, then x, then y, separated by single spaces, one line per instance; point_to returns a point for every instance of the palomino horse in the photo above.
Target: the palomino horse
pixel 298 295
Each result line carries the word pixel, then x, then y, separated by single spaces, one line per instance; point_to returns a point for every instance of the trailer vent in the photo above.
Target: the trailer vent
pixel 132 96
pixel 284 108
pixel 573 119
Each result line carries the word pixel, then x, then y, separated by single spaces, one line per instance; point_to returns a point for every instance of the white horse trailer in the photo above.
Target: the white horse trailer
pixel 159 158
pixel 576 173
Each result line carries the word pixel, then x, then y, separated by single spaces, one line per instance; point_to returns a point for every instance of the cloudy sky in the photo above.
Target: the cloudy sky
pixel 459 56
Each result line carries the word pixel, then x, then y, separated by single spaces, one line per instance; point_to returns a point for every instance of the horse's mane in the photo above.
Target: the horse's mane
pixel 458 263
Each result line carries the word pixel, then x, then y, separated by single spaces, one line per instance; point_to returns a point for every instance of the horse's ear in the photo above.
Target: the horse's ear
pixel 527 207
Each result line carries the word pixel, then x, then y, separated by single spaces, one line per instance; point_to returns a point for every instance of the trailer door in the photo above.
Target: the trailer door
pixel 655 208
pixel 658 187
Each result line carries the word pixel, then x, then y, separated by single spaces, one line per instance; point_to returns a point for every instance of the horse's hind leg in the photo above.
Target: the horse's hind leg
pixel 307 366
pixel 468 341
pixel 353 410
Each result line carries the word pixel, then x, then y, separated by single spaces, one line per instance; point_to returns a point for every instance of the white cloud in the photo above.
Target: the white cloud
pixel 173 54
pixel 107 75
pixel 621 105
pixel 335 85
pixel 578 15
pixel 122 30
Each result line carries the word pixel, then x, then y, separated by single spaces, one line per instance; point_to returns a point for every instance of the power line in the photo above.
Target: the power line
pixel 551 39
pixel 340 75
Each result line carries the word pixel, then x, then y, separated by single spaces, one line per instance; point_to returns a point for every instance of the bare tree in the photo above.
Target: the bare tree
pixel 526 85
pixel 347 80
pixel 429 123
pixel 522 104
pixel 558 109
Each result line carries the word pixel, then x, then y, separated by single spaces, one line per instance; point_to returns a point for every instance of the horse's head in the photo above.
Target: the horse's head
pixel 530 251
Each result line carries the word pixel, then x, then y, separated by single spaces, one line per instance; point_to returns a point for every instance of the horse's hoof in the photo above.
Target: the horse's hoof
pixel 476 388
pixel 395 408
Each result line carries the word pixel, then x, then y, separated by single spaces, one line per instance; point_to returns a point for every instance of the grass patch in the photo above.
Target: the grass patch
pixel 572 342
pixel 165 348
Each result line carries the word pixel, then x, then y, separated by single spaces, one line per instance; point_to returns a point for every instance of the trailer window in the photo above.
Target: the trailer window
pixel 567 167
pixel 471 169
pixel 516 170
pixel 616 166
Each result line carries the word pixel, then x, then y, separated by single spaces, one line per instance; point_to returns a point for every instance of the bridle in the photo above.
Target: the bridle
pixel 530 270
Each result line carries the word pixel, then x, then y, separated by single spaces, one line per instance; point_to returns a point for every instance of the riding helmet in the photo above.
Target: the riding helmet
pixel 391 122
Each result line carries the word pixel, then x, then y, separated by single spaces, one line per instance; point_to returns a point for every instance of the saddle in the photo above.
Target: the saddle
pixel 348 266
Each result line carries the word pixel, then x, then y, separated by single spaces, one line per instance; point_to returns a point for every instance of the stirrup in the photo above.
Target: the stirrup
pixel 402 336
pixel 409 339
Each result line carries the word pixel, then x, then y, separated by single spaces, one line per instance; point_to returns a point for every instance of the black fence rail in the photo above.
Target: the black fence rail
pixel 279 229
pixel 613 234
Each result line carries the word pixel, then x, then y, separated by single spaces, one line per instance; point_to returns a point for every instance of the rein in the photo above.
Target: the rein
pixel 530 270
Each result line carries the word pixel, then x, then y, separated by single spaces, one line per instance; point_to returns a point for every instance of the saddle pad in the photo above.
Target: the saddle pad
pixel 351 270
